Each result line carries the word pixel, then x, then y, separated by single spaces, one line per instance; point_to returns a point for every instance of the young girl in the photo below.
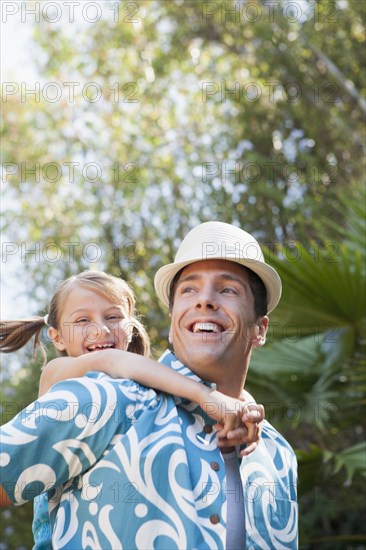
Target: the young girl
pixel 93 325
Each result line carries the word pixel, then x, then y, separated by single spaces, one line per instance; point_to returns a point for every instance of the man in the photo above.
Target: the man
pixel 219 290
pixel 142 469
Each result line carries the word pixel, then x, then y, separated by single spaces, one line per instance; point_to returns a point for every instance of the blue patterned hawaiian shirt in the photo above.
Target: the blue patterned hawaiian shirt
pixel 124 466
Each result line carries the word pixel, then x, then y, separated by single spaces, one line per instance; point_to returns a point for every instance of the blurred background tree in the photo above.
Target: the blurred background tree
pixel 158 115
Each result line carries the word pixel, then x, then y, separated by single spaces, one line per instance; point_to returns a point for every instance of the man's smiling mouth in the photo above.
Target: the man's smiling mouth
pixel 207 327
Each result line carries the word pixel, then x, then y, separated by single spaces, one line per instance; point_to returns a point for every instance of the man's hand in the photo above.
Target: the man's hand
pixel 248 431
pixel 238 421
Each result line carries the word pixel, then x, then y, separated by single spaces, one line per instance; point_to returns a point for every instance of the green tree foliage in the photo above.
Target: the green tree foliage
pixel 314 372
pixel 175 112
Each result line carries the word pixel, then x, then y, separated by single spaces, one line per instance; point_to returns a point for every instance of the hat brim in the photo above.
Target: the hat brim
pixel 165 275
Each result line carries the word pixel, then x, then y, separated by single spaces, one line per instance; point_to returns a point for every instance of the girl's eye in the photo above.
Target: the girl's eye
pixel 114 317
pixel 81 321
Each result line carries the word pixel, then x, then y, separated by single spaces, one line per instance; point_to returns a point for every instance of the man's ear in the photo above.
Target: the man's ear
pixel 170 336
pixel 56 338
pixel 259 338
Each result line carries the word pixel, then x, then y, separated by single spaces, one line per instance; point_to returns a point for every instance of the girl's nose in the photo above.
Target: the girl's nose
pixel 105 328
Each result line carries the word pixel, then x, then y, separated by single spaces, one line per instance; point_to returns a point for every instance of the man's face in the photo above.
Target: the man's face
pixel 213 325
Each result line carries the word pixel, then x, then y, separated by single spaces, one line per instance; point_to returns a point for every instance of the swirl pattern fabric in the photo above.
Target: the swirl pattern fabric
pixel 124 467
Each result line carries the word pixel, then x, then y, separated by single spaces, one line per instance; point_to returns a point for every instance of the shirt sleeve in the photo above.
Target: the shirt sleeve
pixel 64 432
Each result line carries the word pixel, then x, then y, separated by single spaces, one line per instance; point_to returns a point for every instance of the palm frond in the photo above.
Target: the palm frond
pixel 352 459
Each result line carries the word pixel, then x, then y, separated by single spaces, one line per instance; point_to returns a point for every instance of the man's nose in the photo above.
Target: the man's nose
pixel 206 299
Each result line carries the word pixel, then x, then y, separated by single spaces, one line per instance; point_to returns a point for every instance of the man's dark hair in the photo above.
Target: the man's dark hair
pixel 256 284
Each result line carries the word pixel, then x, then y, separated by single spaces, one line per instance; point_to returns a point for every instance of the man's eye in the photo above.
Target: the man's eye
pixel 228 290
pixel 187 290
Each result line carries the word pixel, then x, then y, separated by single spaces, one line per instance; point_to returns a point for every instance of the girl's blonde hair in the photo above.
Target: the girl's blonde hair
pixel 15 334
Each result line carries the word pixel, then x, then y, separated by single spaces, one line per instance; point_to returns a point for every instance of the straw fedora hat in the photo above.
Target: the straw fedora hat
pixel 220 241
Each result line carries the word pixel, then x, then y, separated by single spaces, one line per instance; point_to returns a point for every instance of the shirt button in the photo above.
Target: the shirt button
pixel 215 466
pixel 214 518
pixel 207 428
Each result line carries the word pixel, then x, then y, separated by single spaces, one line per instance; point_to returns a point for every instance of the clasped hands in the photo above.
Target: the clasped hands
pixel 238 420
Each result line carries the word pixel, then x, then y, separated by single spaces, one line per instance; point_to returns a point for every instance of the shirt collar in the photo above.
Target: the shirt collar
pixel 170 360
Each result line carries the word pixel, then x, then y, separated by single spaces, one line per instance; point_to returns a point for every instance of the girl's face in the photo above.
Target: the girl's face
pixel 90 322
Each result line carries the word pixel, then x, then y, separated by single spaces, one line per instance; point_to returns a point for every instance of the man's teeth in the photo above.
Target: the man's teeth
pixel 206 327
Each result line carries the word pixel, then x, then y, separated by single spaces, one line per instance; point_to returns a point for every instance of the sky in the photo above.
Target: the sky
pixel 16 62
pixel 17 23
pixel 16 66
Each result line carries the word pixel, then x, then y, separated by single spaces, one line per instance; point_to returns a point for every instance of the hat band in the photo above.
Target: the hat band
pixel 225 250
